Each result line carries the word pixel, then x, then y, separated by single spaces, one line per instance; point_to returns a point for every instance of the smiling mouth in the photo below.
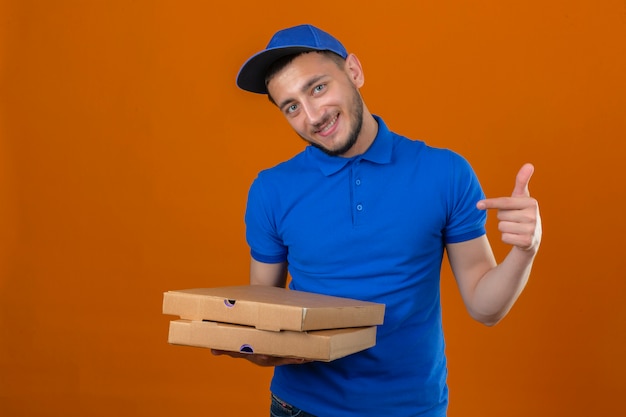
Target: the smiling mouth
pixel 327 126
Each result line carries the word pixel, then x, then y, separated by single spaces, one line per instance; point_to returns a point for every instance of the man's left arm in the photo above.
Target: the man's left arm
pixel 488 289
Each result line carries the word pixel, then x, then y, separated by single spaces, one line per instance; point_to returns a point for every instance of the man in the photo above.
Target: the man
pixel 367 214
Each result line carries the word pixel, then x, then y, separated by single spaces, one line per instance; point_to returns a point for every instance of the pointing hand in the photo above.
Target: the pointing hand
pixel 518 215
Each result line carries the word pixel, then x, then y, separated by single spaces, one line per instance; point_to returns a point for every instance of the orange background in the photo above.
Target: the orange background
pixel 126 153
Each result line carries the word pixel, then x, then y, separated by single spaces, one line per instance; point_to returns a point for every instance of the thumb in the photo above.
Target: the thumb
pixel 522 180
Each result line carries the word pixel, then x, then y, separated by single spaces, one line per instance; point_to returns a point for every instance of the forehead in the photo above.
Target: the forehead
pixel 300 71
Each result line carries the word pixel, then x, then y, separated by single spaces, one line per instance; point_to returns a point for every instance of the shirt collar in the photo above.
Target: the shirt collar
pixel 379 152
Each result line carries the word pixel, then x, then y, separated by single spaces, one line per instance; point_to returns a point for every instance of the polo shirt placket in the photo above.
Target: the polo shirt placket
pixel 358 201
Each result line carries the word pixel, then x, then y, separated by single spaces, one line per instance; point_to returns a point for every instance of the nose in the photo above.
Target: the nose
pixel 313 113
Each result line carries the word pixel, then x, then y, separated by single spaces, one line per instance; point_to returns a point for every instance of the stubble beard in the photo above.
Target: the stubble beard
pixel 355 129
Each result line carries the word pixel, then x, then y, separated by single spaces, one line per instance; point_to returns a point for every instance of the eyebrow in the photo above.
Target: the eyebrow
pixel 304 88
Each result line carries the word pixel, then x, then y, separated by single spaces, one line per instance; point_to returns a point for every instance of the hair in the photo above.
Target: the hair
pixel 281 63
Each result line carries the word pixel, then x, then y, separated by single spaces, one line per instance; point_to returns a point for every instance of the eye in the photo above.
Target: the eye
pixel 318 89
pixel 291 108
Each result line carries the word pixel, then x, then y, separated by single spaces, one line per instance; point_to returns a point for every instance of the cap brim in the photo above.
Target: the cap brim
pixel 251 76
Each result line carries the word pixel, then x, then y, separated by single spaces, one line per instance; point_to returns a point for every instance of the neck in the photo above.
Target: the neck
pixel 368 133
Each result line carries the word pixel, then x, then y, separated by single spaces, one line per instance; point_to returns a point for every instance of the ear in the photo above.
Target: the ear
pixel 355 71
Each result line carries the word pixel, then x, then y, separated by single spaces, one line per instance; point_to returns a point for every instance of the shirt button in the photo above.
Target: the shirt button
pixel 359 207
pixel 357 182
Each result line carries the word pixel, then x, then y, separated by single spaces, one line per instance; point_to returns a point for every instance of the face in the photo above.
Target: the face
pixel 321 102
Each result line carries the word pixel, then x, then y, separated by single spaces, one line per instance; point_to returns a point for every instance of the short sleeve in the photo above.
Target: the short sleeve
pixel 464 220
pixel 261 228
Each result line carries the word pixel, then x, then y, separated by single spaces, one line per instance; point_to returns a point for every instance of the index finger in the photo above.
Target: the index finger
pixel 502 203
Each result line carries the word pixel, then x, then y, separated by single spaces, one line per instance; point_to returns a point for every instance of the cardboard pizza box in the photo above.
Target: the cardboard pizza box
pixel 271 308
pixel 320 345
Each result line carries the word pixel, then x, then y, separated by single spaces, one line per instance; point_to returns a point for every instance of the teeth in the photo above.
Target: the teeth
pixel 329 125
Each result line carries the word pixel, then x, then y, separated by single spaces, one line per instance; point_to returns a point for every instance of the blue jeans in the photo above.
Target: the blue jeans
pixel 279 408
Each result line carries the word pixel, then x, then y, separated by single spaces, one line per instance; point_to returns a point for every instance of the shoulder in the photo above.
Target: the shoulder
pixel 295 164
pixel 288 175
pixel 437 157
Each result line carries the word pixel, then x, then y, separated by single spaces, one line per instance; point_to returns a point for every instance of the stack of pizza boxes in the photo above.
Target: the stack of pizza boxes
pixel 272 321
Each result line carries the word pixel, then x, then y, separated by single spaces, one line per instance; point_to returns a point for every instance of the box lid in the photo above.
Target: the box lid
pixel 271 308
pixel 321 345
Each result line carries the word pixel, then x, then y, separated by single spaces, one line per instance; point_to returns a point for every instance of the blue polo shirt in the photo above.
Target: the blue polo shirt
pixel 372 227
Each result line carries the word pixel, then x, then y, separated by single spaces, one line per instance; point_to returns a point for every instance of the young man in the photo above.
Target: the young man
pixel 367 214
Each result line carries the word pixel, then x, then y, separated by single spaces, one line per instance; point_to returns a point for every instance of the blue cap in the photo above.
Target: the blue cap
pixel 302 38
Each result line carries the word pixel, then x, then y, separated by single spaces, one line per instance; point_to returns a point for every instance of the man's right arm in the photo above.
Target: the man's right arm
pixel 274 275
